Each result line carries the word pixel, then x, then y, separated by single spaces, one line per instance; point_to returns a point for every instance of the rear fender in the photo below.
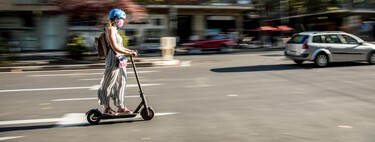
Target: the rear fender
pixel 322 51
pixel 94 110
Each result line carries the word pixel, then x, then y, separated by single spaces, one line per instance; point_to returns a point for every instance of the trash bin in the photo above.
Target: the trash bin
pixel 168 45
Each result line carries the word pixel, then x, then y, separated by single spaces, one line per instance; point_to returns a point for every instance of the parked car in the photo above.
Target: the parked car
pixel 329 46
pixel 219 42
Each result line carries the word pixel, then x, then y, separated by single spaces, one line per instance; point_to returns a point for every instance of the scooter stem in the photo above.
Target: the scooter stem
pixel 144 102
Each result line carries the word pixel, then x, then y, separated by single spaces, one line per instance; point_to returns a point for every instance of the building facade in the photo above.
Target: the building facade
pixel 27 25
pixel 353 16
pixel 33 25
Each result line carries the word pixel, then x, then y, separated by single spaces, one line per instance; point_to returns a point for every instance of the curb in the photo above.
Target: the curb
pixel 141 63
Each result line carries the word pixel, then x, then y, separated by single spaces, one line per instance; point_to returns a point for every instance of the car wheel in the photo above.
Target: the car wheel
pixel 371 58
pixel 298 62
pixel 321 60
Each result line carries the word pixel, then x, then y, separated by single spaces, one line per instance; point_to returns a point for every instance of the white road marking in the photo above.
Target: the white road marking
pixel 44 89
pixel 89 79
pixel 8 138
pixel 80 74
pixel 345 126
pixel 94 87
pixel 71 74
pixel 30 121
pixel 69 119
pixel 185 63
pixel 82 99
pixel 76 119
pixel 233 95
pixel 52 71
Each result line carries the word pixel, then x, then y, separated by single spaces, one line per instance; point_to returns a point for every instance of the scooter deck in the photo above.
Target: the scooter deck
pixel 120 115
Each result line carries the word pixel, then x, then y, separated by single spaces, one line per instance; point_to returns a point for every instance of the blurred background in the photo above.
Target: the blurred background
pixel 71 25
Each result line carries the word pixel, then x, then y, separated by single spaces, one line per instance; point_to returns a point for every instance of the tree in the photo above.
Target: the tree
pixel 100 8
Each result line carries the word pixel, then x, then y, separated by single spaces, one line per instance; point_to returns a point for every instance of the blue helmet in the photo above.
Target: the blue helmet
pixel 117 13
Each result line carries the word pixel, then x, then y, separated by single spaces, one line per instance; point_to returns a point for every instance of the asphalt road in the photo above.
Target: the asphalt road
pixel 242 97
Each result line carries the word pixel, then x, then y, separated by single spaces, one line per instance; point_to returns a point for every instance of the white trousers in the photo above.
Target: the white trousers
pixel 113 84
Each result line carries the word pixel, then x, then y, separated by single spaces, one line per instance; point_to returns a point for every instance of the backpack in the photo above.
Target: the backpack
pixel 102 45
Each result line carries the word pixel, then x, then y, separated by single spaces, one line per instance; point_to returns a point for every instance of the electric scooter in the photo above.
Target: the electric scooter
pixel 94 115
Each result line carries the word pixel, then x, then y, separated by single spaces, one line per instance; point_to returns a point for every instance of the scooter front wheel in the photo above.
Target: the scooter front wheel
pixel 149 115
pixel 93 117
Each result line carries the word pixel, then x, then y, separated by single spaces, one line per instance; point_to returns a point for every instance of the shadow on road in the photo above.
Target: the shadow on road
pixel 258 68
pixel 281 67
pixel 25 128
pixel 50 126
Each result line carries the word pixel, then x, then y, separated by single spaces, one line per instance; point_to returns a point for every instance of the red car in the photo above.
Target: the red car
pixel 220 42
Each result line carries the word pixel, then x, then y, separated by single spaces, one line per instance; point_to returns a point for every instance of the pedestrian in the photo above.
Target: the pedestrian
pixel 113 81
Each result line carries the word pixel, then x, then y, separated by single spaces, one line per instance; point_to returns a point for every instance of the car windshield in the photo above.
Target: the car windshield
pixel 298 39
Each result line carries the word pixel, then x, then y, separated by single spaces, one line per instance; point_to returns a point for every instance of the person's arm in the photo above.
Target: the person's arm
pixel 115 47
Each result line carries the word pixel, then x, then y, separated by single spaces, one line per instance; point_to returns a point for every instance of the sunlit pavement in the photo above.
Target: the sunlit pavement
pixel 260 97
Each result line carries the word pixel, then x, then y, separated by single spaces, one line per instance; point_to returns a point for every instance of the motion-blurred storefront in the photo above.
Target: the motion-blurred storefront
pixel 353 16
pixel 26 25
pixel 36 25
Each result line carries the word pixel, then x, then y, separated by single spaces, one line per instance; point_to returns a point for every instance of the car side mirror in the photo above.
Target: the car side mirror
pixel 360 43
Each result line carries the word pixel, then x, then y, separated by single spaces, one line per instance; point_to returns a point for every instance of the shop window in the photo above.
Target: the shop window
pixel 157 22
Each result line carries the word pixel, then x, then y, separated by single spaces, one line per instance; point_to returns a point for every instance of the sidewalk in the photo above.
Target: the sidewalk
pixel 57 61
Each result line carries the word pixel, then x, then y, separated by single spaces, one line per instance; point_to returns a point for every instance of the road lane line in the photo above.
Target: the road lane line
pixel 44 89
pixel 94 87
pixel 30 121
pixel 79 74
pixel 8 138
pixel 89 79
pixel 82 99
pixel 69 119
pixel 70 74
pixel 77 119
pixel 85 70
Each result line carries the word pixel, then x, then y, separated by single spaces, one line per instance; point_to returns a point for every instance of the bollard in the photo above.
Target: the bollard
pixel 168 45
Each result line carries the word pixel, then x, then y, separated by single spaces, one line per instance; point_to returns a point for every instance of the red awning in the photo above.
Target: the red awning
pixel 284 28
pixel 265 28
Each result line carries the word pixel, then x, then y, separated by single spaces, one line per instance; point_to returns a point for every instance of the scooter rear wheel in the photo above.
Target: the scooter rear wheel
pixel 93 117
pixel 147 116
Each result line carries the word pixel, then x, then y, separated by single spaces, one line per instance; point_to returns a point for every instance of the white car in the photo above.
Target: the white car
pixel 329 46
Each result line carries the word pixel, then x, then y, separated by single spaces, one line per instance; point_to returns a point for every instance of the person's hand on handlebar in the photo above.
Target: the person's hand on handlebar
pixel 134 53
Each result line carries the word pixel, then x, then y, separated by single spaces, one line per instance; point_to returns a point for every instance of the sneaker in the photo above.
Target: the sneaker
pixel 109 111
pixel 124 110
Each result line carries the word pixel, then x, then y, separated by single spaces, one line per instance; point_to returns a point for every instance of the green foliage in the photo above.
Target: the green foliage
pixel 76 46
pixel 3 49
pixel 124 38
pixel 3 46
